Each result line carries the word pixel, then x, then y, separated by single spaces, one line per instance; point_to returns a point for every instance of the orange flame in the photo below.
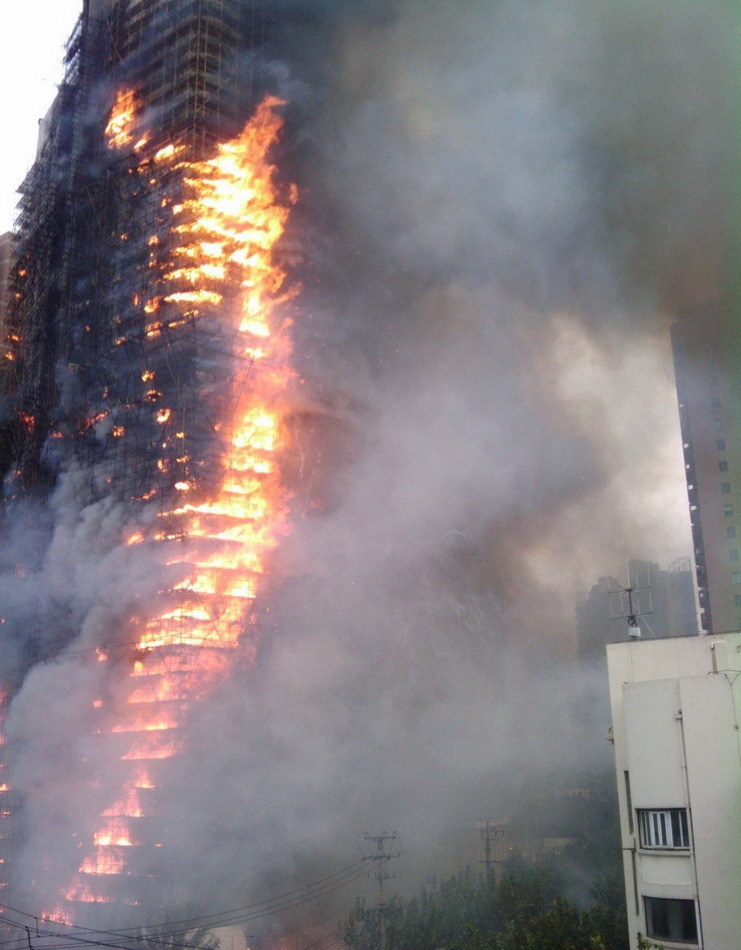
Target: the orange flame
pixel 221 263
pixel 118 132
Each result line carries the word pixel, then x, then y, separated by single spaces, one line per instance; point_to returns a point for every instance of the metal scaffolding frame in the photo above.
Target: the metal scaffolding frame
pixel 139 411
pixel 77 328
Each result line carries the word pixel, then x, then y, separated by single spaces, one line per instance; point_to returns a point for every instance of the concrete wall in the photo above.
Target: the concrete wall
pixel 676 707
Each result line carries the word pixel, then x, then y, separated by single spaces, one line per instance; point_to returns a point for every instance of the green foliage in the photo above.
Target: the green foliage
pixel 608 911
pixel 524 911
pixel 645 944
pixel 563 927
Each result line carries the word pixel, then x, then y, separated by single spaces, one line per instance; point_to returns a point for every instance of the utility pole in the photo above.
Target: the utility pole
pixel 491 832
pixel 381 858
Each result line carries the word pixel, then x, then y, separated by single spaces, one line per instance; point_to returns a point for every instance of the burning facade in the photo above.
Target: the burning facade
pixel 147 348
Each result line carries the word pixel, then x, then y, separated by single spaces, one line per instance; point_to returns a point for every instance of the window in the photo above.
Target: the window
pixel 720 445
pixel 733 554
pixel 728 510
pixel 736 577
pixel 666 828
pixel 731 532
pixel 715 402
pixel 723 465
pixel 725 487
pixel 670 919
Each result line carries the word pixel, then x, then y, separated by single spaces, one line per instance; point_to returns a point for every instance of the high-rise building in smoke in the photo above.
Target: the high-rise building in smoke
pixel 146 351
pixel 674 709
pixel 663 603
pixel 95 241
pixel 710 418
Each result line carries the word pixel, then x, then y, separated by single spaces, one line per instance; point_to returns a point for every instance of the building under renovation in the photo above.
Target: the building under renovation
pixel 95 246
pixel 146 351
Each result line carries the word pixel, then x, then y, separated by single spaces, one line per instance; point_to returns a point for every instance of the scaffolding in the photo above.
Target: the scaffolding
pixel 77 342
pixel 184 60
pixel 137 396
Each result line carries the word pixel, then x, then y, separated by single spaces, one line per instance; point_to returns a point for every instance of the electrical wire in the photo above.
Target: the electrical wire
pixel 160 933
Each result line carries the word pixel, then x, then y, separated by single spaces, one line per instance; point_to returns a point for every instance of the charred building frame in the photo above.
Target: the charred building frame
pixel 147 350
pixel 78 335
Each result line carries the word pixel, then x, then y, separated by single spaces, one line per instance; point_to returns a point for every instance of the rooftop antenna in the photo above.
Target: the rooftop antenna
pixel 628 604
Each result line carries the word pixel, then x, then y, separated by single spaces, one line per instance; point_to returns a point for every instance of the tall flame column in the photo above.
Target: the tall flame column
pixel 211 271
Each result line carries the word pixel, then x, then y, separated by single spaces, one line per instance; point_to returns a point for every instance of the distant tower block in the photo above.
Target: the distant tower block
pixel 704 340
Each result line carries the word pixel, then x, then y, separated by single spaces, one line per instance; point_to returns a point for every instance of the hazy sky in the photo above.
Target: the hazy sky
pixel 32 35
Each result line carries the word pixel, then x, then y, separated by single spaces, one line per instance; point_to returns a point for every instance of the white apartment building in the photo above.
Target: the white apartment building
pixel 676 714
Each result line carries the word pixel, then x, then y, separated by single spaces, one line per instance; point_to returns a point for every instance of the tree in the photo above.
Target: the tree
pixel 563 927
pixel 523 912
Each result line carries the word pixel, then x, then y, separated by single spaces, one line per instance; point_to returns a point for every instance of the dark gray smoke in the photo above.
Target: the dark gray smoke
pixel 501 204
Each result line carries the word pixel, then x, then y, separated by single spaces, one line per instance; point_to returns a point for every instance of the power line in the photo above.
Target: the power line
pixel 380 857
pixel 263 908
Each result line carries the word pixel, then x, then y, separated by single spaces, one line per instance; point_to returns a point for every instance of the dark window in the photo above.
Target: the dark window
pixel 671 919
pixel 715 402
pixel 737 600
pixel 725 487
pixel 728 510
pixel 733 554
pixel 731 532
pixel 723 465
pixel 664 828
pixel 629 801
pixel 720 445
pixel 736 577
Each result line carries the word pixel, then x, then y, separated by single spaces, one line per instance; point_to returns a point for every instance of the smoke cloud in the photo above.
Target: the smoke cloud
pixel 502 203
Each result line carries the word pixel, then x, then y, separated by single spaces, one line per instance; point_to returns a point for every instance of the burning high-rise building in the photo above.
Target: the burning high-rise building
pixel 472 208
pixel 147 350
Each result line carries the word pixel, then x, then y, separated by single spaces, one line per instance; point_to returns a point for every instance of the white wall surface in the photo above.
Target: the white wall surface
pixel 676 707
